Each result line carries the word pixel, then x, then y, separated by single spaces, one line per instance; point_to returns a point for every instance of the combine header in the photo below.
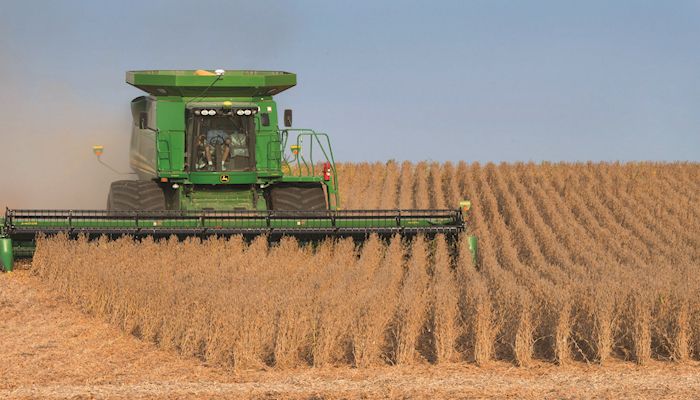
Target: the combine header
pixel 211 160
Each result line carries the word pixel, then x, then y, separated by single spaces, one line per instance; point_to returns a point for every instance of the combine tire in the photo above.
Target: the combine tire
pixel 135 195
pixel 297 197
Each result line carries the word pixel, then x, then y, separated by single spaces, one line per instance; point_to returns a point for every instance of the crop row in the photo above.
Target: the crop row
pixel 578 263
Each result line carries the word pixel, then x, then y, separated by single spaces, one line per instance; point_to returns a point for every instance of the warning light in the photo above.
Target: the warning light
pixel 327 171
pixel 98 150
pixel 295 149
pixel 465 205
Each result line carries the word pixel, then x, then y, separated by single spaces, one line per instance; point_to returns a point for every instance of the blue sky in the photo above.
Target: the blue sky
pixel 475 80
pixel 465 80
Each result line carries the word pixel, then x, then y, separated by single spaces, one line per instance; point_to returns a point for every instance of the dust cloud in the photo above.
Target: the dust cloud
pixel 46 139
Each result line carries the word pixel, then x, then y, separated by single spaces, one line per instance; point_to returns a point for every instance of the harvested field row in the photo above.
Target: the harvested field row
pixel 578 263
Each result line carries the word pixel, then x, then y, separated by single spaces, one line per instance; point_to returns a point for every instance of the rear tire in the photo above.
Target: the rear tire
pixel 297 197
pixel 135 195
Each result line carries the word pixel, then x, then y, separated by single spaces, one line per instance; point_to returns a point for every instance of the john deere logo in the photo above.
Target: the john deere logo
pixel 223 178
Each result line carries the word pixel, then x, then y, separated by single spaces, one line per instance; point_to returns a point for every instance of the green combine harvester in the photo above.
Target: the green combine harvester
pixel 211 160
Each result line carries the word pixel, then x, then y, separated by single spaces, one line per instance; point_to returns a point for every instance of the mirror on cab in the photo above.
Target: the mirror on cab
pixel 288 118
pixel 143 120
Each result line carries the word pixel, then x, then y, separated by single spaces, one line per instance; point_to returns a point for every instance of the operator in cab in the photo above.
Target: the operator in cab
pixel 207 148
pixel 213 144
pixel 221 140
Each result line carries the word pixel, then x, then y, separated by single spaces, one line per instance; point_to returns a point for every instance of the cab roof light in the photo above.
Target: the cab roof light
pixel 226 111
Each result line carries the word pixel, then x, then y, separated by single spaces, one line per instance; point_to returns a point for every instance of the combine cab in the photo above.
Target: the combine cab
pixel 211 159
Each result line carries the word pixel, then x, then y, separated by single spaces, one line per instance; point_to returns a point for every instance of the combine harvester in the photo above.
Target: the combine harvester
pixel 211 160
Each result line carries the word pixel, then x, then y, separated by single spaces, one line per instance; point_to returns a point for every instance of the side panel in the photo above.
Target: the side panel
pixel 221 197
pixel 268 146
pixel 142 156
pixel 170 141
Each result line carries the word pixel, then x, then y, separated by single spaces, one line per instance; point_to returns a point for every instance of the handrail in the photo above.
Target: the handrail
pixel 308 167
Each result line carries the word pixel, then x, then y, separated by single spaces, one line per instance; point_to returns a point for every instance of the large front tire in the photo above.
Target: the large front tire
pixel 297 197
pixel 135 195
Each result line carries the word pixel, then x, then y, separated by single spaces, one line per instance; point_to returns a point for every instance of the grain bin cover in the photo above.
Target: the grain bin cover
pixel 195 83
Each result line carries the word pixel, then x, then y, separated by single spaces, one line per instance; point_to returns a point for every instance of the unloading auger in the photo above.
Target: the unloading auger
pixel 211 160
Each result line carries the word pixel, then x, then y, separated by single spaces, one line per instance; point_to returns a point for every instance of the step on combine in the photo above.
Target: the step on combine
pixel 211 159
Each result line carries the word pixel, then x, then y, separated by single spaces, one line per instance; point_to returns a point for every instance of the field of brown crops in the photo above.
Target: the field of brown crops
pixel 579 263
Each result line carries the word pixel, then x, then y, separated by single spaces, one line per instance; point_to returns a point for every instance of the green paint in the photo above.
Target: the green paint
pixel 215 178
pixel 474 248
pixel 6 257
pixel 185 83
pixel 164 139
pixel 242 223
pixel 223 197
